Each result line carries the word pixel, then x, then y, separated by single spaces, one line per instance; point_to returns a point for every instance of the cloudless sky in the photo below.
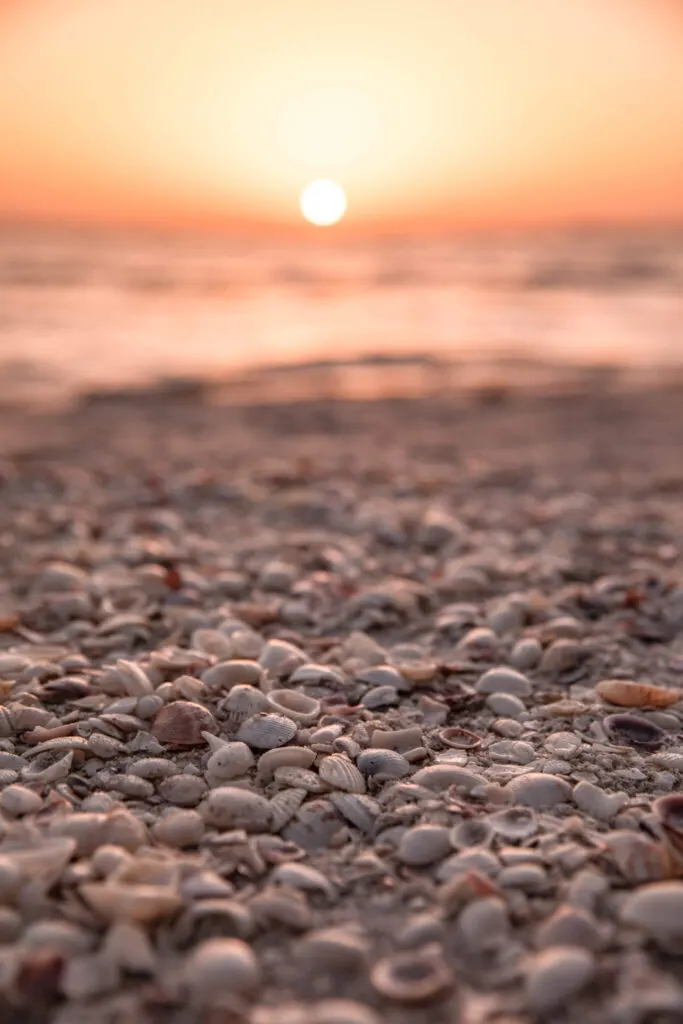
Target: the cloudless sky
pixel 432 113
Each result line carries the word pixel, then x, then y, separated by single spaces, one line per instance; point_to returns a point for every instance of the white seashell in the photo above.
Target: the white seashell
pixel 133 679
pixel 424 844
pixel 337 948
pixel 397 739
pixel 230 807
pixel 53 773
pixel 44 860
pixel 220 967
pixel 242 703
pixel 514 823
pixel 471 832
pixel 299 757
pixel 317 674
pixel 280 658
pixel 362 811
pixel 281 905
pixel 213 642
pixel 127 946
pixel 266 731
pixel 230 760
pixel 297 706
pixel 228 916
pixel 341 773
pixel 284 806
pixel 302 876
pixel 123 901
pixel 300 777
pixel 388 764
pixel 441 776
pixel 227 674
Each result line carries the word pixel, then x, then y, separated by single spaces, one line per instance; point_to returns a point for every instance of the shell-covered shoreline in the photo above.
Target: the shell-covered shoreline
pixel 341 713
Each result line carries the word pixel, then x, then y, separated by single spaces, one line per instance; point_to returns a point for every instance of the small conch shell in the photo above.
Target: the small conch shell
pixel 636 695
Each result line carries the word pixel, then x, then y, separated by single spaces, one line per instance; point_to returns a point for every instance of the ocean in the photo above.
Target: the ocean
pixel 87 310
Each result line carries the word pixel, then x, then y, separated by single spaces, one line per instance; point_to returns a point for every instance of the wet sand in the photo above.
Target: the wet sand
pixel 307 703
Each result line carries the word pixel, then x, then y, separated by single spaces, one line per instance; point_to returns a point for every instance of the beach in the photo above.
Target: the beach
pixel 343 712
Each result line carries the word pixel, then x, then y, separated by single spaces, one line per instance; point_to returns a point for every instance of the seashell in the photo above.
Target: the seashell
pixel 336 1011
pixel 340 773
pixel 228 674
pixel 229 761
pixel 441 776
pixel 266 731
pixel 219 967
pixel 297 706
pixel 317 822
pixel 299 757
pixel 636 695
pixel 284 806
pixel 242 703
pixel 140 903
pixel 317 674
pixel 337 949
pixel 303 778
pixel 657 909
pixel 132 678
pixel 413 977
pixel 127 946
pixel 463 888
pixel 514 823
pixel 42 861
pixel 471 832
pixel 636 857
pixel 281 905
pixel 188 688
pixel 389 764
pixel 59 743
pixel 382 675
pixel 633 731
pixel 669 811
pixel 209 918
pixel 182 723
pixel 423 845
pixel 205 885
pixel 230 807
pixel 213 642
pixel 360 810
pixel 303 876
pixel 59 769
pixel 397 739
pixel 461 739
pixel 280 658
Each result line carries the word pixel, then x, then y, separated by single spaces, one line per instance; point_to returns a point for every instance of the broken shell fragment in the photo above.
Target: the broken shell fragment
pixel 297 706
pixel 413 977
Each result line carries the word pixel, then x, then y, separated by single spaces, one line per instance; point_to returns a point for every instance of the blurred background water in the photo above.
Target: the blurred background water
pixel 85 310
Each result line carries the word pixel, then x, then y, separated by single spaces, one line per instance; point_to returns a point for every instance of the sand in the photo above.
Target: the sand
pixel 340 713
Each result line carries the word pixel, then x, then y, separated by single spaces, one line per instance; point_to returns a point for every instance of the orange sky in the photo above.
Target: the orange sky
pixel 429 112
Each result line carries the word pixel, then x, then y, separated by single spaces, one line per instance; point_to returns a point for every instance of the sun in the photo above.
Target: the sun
pixel 323 202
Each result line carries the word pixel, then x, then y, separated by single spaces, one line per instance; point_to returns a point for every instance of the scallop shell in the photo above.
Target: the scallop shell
pixel 242 703
pixel 413 977
pixel 266 731
pixel 133 679
pixel 230 761
pixel 182 723
pixel 636 695
pixel 380 761
pixel 341 773
pixel 230 807
pixel 297 706
pixel 284 806
pixel 299 757
pixel 360 810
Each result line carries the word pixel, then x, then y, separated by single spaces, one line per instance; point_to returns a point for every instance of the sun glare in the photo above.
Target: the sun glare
pixel 323 203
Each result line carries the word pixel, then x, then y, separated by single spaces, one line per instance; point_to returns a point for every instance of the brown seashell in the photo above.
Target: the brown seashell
pixel 636 695
pixel 637 858
pixel 182 723
pixel 413 977
pixel 669 810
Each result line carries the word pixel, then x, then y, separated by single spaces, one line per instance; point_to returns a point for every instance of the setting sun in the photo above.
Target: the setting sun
pixel 323 203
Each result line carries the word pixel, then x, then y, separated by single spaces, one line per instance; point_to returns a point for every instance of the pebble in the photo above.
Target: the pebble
pixel 556 975
pixel 504 680
pixel 538 790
